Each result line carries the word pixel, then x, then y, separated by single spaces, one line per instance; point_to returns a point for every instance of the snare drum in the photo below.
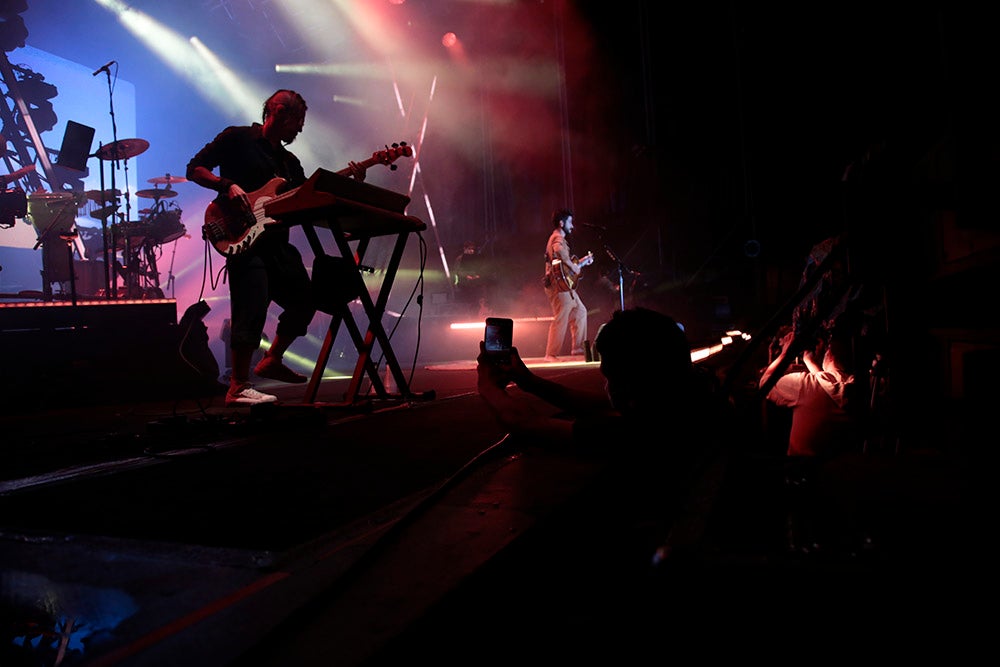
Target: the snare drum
pixel 167 227
pixel 135 233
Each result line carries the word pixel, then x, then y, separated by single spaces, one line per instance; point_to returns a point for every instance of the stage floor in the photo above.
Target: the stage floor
pixel 153 524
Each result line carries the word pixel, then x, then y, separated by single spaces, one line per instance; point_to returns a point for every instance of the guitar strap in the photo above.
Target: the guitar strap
pixel 548 279
pixel 548 255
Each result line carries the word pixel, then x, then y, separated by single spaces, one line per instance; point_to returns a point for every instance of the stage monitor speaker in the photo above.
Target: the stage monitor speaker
pixel 75 147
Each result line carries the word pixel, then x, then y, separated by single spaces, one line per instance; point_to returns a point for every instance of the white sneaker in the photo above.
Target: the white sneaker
pixel 246 395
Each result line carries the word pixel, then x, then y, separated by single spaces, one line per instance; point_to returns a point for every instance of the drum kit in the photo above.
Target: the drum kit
pixel 53 215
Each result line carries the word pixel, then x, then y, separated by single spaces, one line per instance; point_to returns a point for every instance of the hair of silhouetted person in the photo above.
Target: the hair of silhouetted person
pixel 644 354
pixel 838 341
pixel 283 97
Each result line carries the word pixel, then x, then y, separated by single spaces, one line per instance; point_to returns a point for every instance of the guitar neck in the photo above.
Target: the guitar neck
pixel 364 164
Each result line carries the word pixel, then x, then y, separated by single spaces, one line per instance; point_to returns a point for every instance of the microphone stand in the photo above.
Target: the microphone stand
pixel 110 249
pixel 104 232
pixel 622 268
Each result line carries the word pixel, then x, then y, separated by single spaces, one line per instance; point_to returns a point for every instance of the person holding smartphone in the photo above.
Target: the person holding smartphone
pixel 647 442
pixel 665 391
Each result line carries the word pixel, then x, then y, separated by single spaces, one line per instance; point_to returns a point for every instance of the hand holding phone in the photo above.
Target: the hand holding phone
pixel 499 361
pixel 499 336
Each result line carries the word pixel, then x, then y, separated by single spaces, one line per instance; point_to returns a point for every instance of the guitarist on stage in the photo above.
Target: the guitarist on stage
pixel 247 158
pixel 562 270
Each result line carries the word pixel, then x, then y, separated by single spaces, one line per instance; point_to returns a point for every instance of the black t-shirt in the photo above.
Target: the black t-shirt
pixel 243 155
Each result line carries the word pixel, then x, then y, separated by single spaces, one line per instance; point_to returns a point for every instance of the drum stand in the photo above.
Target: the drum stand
pixel 118 150
pixel 46 240
pixel 150 273
pixel 140 275
pixel 69 238
pixel 170 271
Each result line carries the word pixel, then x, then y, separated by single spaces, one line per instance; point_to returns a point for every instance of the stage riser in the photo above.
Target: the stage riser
pixel 113 317
pixel 90 350
pixel 94 352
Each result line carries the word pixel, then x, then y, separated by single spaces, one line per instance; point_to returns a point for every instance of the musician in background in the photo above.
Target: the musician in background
pixel 473 281
pixel 568 310
pixel 271 268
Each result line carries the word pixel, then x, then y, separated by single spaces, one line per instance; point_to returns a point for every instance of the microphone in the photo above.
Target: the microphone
pixel 590 226
pixel 105 68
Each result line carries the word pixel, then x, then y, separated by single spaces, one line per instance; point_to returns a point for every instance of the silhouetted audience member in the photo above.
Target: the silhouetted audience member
pixel 654 434
pixel 819 393
pixel 659 420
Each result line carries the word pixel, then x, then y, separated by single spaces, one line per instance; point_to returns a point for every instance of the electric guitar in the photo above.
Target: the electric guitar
pixel 232 228
pixel 566 280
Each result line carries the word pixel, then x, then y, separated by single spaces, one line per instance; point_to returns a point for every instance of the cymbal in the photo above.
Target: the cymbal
pixel 168 179
pixel 122 149
pixel 109 195
pixel 156 193
pixel 145 211
pixel 99 213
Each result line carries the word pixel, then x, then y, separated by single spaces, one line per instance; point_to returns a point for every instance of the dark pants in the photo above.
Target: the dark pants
pixel 257 278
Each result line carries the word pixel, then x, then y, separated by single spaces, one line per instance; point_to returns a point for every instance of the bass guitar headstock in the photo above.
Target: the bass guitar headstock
pixel 391 154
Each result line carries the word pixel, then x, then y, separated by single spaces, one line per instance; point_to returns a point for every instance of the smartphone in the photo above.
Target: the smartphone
pixel 499 336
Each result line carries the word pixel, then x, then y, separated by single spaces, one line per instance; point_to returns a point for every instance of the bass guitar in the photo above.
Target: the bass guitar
pixel 565 279
pixel 233 228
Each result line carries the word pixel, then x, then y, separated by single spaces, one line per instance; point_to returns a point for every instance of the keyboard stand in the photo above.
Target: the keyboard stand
pixel 351 221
